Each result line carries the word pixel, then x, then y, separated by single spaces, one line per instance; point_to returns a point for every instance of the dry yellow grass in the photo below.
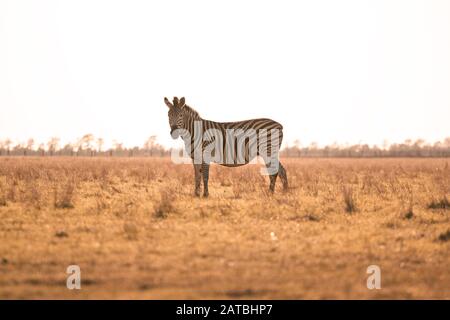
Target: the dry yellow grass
pixel 136 231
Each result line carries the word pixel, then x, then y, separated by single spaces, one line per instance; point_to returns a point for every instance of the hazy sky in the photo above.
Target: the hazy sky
pixel 346 71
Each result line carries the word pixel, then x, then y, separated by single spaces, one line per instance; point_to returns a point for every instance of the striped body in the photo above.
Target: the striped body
pixel 235 141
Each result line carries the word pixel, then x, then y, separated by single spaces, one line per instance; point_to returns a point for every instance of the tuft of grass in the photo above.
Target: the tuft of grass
pixel 12 194
pixel 349 199
pixel 238 189
pixel 442 203
pixel 65 200
pixel 61 234
pixel 2 201
pixel 312 217
pixel 131 230
pixel 409 214
pixel 445 236
pixel 165 206
pixel 2 196
pixel 391 225
pixel 34 196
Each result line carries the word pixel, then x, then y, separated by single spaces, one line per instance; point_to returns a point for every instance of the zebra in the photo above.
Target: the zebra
pixel 182 118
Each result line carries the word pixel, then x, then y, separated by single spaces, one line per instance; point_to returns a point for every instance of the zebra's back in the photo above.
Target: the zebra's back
pixel 260 123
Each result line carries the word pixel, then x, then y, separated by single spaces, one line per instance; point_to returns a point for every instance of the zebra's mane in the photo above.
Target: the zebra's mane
pixel 192 112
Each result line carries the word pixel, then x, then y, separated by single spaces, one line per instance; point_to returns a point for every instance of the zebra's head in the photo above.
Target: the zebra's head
pixel 176 115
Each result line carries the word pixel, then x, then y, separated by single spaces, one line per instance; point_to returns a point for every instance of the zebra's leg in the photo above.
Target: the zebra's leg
pixel 198 178
pixel 205 173
pixel 273 179
pixel 283 176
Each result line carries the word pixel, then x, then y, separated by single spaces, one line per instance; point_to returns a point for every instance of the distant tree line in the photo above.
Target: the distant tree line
pixel 91 146
pixel 88 145
pixel 409 148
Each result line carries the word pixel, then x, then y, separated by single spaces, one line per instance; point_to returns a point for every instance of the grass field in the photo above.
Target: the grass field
pixel 136 230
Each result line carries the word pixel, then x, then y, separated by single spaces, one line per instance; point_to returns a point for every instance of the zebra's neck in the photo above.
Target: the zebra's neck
pixel 191 116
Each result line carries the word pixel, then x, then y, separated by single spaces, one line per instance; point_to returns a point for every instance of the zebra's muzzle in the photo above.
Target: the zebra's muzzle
pixel 174 132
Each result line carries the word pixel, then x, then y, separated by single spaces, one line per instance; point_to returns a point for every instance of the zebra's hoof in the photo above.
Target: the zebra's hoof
pixel 206 195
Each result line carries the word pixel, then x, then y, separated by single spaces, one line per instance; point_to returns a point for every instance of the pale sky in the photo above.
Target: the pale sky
pixel 345 71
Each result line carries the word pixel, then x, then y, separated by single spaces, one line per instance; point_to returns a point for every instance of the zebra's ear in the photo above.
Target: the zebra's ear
pixel 182 103
pixel 168 102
